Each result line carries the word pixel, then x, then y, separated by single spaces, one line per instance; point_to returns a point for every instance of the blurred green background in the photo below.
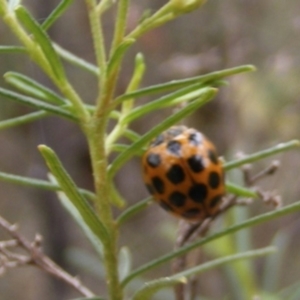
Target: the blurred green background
pixel 255 111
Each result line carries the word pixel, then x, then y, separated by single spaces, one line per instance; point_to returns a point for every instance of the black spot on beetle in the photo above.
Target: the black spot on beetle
pixel 195 162
pixel 158 185
pixel 176 174
pixel 177 199
pixel 214 180
pixel 198 192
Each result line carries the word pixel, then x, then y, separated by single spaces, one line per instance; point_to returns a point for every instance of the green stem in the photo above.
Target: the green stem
pixel 96 132
pixel 98 38
pixel 164 13
pixel 79 108
pixel 120 26
pixel 96 139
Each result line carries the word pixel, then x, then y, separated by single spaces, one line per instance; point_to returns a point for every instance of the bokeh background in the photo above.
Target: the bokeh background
pixel 255 111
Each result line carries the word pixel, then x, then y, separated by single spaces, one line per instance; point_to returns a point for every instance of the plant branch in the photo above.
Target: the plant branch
pixel 98 39
pixel 120 25
pixel 36 257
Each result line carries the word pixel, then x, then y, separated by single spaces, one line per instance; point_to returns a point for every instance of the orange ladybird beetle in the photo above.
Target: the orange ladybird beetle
pixel 183 173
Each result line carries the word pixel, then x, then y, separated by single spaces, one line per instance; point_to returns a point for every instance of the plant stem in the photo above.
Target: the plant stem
pixel 96 132
pixel 98 38
pixel 96 140
pixel 164 13
pixel 120 24
pixel 79 107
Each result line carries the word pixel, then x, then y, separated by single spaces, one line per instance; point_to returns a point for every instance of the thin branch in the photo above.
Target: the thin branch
pixel 35 256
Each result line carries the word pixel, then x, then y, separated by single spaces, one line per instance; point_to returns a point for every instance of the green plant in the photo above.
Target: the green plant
pixel 93 210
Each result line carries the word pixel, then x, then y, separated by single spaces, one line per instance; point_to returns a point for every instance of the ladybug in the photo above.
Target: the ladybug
pixel 183 173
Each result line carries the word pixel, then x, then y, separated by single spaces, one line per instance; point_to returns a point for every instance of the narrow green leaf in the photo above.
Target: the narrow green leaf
pixel 38 183
pixel 17 121
pixel 76 61
pixel 120 128
pixel 89 298
pixel 131 135
pixel 182 95
pixel 29 101
pixel 121 148
pixel 282 147
pixel 56 13
pixel 104 6
pixel 69 188
pixel 176 117
pixel 292 208
pixel 124 262
pixel 43 40
pixel 32 88
pixel 239 190
pixel 134 83
pixel 118 55
pixel 133 210
pixel 73 211
pixel 214 76
pixel 152 287
pixel 116 198
pixel 12 49
pixel 114 114
pixel 31 117
pixel 223 260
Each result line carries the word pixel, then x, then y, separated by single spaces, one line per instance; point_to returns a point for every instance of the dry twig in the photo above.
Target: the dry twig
pixel 11 259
